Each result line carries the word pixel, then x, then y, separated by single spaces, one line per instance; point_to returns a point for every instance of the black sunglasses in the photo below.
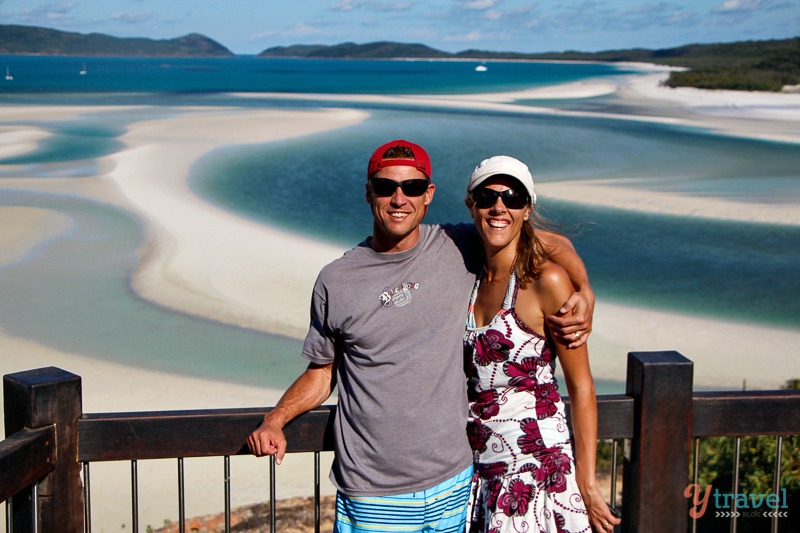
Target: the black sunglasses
pixel 486 198
pixel 386 187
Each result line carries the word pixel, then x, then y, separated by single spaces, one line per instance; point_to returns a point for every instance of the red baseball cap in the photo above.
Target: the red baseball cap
pixel 421 161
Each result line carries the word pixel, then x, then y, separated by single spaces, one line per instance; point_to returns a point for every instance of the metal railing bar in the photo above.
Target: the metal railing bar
pixel 316 493
pixel 8 516
pixel 135 496
pixel 695 475
pixel 36 507
pixel 227 462
pixel 777 486
pixel 614 471
pixel 736 459
pixel 181 497
pixel 272 503
pixel 87 500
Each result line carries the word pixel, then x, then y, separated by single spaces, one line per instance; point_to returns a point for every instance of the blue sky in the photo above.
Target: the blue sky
pixel 249 26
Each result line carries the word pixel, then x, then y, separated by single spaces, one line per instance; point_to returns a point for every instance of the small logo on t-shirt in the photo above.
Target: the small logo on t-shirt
pixel 398 296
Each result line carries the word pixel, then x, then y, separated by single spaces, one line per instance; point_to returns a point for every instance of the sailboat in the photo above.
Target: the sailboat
pixel 83 69
pixel 9 77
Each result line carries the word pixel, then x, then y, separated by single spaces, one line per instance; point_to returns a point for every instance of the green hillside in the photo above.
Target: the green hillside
pixel 45 41
pixel 746 65
pixel 376 50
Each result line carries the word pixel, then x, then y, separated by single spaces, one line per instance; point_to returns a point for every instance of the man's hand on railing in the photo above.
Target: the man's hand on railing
pixel 268 439
pixel 306 393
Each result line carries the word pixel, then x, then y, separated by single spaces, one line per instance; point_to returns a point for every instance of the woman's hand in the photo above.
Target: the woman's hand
pixel 601 518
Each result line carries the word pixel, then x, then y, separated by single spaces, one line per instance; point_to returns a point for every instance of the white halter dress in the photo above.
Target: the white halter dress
pixel 524 467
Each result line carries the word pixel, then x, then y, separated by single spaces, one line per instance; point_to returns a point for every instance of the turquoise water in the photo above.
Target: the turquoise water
pixel 72 293
pixel 724 269
pixel 314 185
pixel 38 75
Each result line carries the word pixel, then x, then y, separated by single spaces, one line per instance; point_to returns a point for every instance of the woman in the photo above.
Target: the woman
pixel 526 477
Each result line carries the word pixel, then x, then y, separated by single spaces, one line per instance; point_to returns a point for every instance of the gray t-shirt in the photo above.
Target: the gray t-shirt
pixel 394 324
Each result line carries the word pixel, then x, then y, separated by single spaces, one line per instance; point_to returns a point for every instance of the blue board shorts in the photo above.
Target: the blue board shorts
pixel 442 508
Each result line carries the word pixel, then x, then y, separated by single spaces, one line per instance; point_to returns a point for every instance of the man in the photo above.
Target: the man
pixel 387 323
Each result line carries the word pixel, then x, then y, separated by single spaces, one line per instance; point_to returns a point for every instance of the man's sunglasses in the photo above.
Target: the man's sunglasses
pixel 386 187
pixel 486 198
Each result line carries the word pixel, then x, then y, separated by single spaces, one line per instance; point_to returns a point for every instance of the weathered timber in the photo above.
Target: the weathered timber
pixel 614 416
pixel 25 458
pixel 745 413
pixel 157 435
pixel 41 398
pixel 656 466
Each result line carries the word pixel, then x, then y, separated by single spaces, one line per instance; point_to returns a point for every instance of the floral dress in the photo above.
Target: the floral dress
pixel 524 468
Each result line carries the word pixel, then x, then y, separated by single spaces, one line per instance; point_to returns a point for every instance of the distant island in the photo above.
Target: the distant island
pixel 33 40
pixel 772 65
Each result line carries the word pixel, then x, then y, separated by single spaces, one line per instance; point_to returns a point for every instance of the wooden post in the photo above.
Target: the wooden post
pixel 34 399
pixel 656 469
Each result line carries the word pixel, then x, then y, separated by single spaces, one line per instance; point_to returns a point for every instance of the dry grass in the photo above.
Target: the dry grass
pixel 294 515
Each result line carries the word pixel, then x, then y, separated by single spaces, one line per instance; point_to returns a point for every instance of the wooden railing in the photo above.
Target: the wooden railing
pixel 49 438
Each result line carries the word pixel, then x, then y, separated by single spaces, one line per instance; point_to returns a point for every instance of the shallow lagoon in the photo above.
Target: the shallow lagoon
pixel 72 292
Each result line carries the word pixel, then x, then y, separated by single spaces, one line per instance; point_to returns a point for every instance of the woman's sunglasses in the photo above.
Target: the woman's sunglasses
pixel 386 187
pixel 486 198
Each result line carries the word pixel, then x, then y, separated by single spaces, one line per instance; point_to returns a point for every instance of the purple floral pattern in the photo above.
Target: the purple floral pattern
pixel 478 435
pixel 492 347
pixel 523 375
pixel 525 474
pixel 485 405
pixel 514 502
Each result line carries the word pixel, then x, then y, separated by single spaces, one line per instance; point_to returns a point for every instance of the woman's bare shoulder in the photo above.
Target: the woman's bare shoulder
pixel 553 285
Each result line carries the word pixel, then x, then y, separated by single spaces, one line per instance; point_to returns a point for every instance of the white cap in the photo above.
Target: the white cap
pixel 506 165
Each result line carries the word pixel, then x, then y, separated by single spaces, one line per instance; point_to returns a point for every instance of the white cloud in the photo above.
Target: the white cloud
pixel 345 5
pixel 131 17
pixel 298 31
pixel 682 18
pixel 45 13
pixel 63 7
pixel 731 6
pixel 371 5
pixel 380 7
pixel 471 37
pixel 477 5
pixel 650 8
pixel 303 30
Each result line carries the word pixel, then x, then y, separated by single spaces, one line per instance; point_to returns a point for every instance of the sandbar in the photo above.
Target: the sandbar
pixel 200 259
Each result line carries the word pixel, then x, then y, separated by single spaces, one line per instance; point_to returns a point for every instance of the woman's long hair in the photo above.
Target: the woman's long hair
pixel 531 252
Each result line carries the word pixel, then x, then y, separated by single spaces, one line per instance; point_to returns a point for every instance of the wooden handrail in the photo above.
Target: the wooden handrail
pixel 205 433
pixel 658 415
pixel 743 413
pixel 26 457
pixel 217 432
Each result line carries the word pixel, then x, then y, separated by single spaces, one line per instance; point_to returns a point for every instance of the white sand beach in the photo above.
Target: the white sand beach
pixel 202 260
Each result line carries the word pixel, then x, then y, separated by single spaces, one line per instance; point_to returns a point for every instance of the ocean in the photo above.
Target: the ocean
pixel 163 78
pixel 745 272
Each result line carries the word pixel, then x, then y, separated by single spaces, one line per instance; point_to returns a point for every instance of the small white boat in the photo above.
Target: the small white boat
pixel 83 70
pixel 9 77
pixel 481 68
